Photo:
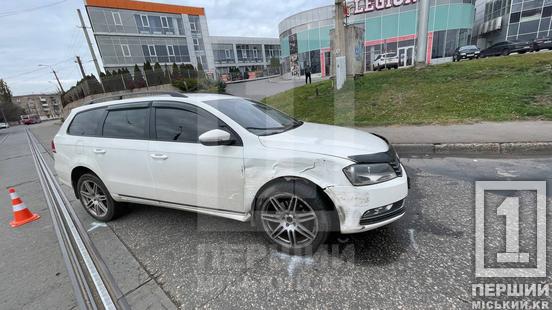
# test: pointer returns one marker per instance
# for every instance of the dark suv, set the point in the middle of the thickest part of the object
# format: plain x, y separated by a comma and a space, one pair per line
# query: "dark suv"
542, 44
466, 52
507, 47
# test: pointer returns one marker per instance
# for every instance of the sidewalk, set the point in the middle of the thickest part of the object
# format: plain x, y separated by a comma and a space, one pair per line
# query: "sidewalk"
524, 137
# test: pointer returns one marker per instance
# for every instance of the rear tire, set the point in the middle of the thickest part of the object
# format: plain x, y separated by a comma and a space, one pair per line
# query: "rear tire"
294, 217
96, 199
505, 52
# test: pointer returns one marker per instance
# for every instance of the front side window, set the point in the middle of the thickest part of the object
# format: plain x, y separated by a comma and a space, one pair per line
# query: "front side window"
185, 124
256, 117
126, 124
86, 123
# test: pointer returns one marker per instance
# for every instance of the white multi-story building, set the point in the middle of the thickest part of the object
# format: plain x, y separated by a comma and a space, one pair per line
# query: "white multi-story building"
131, 32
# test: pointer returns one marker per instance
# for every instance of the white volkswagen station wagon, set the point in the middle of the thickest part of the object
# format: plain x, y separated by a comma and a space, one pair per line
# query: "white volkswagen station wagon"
231, 157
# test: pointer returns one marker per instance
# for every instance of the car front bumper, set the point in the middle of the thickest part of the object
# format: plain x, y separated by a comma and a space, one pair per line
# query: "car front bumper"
352, 202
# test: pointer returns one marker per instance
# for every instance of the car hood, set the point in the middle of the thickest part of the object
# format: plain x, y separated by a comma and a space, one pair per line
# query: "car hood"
326, 140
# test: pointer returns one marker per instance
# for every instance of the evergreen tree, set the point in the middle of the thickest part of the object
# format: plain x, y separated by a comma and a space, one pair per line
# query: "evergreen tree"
139, 81
12, 111
158, 74
127, 78
167, 75
176, 72
148, 72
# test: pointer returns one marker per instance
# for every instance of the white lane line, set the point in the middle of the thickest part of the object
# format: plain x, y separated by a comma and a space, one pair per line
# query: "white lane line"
96, 225
413, 240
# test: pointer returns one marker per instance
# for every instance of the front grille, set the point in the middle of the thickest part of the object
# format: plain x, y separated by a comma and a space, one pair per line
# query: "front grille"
381, 214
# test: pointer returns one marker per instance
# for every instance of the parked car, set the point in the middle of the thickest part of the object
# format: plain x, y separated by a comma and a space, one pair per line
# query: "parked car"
507, 47
30, 119
466, 52
4, 125
542, 44
234, 158
387, 60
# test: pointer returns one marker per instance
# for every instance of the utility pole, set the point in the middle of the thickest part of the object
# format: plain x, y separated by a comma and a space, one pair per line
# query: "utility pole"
423, 21
339, 52
83, 26
55, 75
57, 79
81, 67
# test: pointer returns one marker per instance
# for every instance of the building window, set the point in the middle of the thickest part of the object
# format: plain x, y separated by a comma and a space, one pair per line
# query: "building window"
164, 22
255, 53
145, 21
200, 60
227, 54
244, 53
117, 18
193, 26
196, 42
126, 50
151, 50
170, 50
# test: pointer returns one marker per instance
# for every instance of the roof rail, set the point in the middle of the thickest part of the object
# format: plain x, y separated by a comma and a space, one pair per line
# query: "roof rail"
137, 95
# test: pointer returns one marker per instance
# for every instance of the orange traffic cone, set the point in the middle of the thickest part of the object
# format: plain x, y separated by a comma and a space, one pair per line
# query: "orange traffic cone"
21, 215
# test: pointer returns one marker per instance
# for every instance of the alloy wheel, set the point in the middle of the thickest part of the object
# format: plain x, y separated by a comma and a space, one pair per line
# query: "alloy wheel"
289, 221
93, 198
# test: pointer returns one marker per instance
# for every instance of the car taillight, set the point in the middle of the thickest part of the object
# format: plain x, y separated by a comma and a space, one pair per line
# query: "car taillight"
53, 147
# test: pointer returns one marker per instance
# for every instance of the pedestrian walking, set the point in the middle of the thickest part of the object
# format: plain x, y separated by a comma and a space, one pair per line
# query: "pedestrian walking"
308, 78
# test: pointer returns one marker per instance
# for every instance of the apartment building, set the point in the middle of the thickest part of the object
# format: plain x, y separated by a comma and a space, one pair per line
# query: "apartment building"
133, 32
47, 106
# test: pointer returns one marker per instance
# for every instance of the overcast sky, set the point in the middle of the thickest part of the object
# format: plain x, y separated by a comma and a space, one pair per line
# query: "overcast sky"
34, 32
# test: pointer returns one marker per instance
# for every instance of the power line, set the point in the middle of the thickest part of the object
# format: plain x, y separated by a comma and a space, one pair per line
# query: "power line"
36, 70
20, 11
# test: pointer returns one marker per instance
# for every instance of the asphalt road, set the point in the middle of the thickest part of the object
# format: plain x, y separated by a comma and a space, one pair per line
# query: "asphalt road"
423, 261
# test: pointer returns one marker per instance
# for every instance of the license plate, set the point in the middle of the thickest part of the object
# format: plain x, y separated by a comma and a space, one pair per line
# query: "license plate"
527, 47
547, 41
471, 55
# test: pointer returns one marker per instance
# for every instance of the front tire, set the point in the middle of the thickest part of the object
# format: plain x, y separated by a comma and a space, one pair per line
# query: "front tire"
294, 217
95, 198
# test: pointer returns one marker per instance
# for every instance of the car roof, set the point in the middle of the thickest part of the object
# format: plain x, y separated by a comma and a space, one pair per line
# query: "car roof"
189, 98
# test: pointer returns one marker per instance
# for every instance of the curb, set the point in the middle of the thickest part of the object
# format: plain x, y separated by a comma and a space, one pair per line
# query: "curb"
510, 148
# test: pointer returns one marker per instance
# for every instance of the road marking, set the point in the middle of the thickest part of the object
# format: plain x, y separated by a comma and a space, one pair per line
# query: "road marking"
413, 240
96, 225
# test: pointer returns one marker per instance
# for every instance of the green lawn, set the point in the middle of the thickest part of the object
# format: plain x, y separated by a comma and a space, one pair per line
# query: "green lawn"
494, 89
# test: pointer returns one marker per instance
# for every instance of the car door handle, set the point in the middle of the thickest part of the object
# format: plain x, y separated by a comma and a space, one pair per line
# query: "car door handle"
99, 151
159, 156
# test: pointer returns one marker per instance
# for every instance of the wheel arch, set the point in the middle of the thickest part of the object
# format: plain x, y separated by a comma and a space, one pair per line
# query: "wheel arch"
285, 179
76, 173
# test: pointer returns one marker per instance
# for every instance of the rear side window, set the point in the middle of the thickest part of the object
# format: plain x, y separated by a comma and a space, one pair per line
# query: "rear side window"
86, 123
127, 124
184, 125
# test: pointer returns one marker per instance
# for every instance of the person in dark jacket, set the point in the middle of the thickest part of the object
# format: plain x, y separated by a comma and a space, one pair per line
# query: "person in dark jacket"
308, 79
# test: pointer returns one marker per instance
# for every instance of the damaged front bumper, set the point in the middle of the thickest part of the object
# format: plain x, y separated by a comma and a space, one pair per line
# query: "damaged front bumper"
354, 202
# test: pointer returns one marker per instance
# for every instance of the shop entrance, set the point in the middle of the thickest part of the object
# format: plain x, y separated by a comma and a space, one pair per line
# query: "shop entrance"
406, 56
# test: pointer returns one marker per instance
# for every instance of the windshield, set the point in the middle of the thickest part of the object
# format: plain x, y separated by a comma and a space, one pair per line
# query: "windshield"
469, 47
256, 117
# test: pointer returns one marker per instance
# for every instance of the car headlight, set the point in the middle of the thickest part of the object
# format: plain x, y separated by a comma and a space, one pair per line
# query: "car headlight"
369, 174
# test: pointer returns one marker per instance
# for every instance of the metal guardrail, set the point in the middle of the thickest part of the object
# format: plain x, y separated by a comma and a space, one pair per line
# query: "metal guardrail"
136, 95
92, 282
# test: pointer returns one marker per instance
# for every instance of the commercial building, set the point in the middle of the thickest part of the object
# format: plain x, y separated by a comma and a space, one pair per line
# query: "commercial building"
389, 26
132, 32
47, 106
500, 20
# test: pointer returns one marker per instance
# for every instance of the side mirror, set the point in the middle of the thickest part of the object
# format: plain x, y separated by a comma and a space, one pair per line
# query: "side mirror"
216, 137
